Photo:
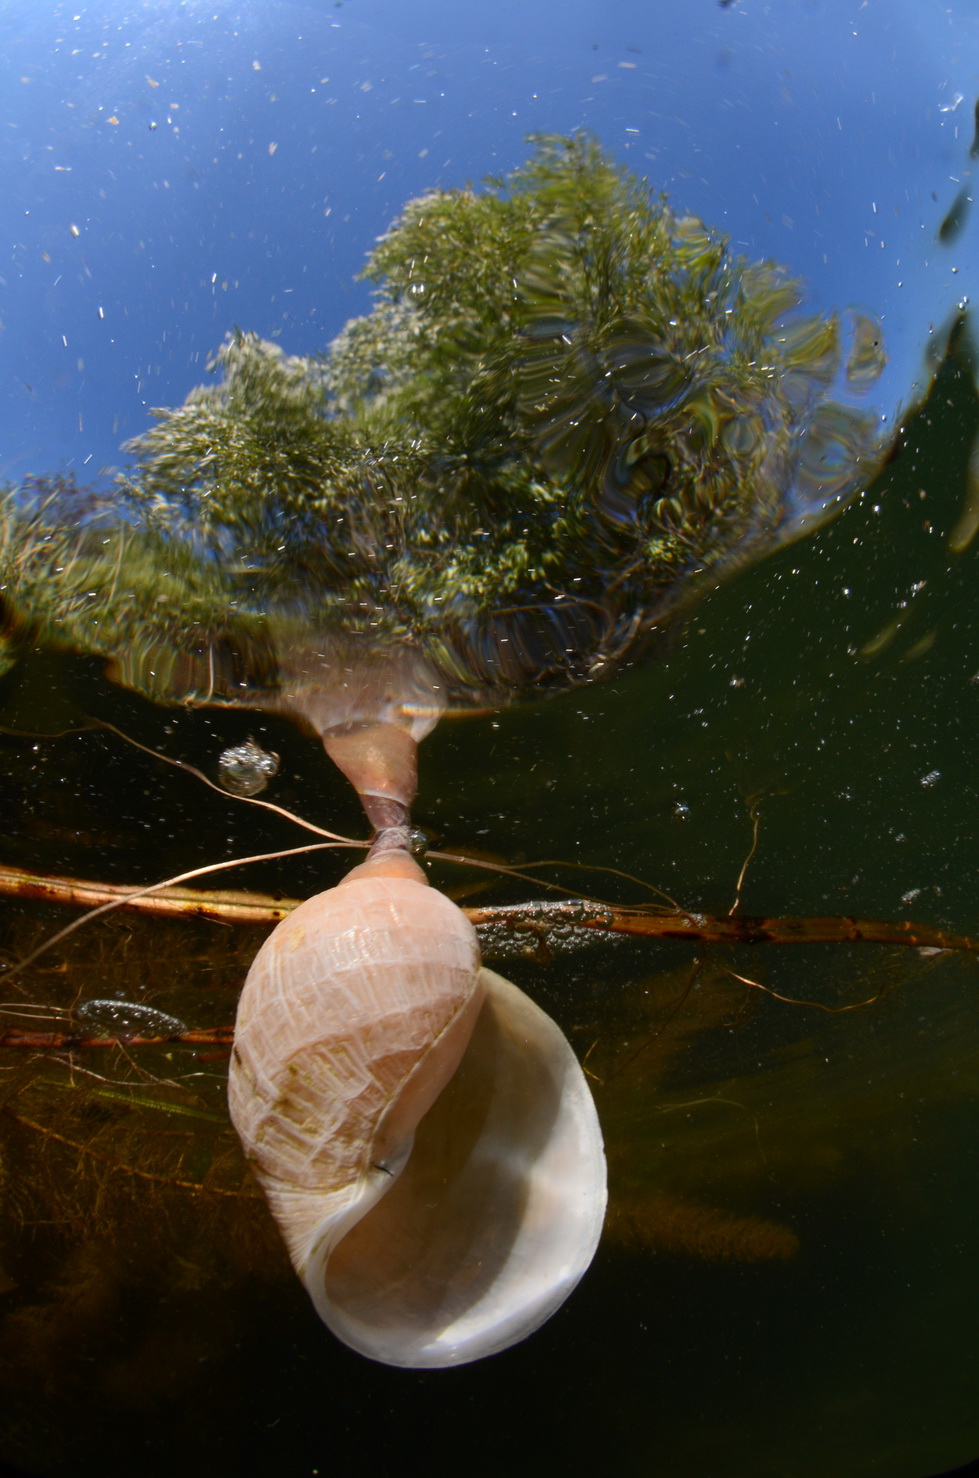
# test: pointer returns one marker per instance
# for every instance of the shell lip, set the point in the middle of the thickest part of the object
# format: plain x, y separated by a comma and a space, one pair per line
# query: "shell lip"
496, 1215
457, 1344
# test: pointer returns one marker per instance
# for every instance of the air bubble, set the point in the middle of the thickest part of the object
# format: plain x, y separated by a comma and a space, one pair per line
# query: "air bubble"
246, 769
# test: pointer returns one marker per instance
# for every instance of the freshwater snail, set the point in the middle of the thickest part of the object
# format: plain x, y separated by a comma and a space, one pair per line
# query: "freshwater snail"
422, 1131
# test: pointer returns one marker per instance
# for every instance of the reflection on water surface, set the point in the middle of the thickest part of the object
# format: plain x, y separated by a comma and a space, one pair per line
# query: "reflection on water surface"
569, 411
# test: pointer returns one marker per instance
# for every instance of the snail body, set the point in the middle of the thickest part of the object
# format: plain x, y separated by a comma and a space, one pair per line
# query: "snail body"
422, 1131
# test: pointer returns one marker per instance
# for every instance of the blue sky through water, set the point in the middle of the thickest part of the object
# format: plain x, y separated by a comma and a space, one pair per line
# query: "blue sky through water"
173, 170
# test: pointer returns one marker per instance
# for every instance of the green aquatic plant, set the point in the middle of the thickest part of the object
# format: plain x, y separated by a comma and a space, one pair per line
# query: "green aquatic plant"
569, 410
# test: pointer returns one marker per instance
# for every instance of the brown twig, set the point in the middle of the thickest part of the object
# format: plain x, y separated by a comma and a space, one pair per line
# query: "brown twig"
218, 1036
545, 922
221, 907
544, 919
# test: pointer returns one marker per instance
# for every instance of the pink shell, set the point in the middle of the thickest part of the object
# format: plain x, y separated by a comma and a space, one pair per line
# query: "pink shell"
354, 1016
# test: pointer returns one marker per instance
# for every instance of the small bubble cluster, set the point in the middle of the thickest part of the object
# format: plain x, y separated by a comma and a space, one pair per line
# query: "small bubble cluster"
246, 769
129, 1019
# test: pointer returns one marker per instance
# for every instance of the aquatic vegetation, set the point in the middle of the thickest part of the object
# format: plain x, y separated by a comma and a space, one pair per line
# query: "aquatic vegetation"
569, 411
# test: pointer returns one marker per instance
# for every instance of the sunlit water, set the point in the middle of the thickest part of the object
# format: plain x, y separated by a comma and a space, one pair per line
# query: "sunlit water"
788, 1282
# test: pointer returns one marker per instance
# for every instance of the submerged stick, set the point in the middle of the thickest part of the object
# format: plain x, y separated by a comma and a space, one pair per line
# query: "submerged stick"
67, 1041
541, 926
225, 907
549, 921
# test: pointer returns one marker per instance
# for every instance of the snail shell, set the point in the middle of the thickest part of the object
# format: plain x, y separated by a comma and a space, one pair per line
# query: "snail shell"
422, 1131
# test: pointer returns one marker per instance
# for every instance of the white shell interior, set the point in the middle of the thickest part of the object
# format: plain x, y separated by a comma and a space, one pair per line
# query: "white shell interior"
496, 1214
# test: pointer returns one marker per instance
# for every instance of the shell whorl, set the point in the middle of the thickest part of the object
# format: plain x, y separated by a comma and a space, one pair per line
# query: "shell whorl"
354, 1015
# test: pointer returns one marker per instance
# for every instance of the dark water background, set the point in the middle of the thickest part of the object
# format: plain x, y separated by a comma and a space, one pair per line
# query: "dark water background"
857, 1132
833, 692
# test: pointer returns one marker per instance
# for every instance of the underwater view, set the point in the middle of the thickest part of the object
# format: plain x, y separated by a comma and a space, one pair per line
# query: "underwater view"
489, 671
